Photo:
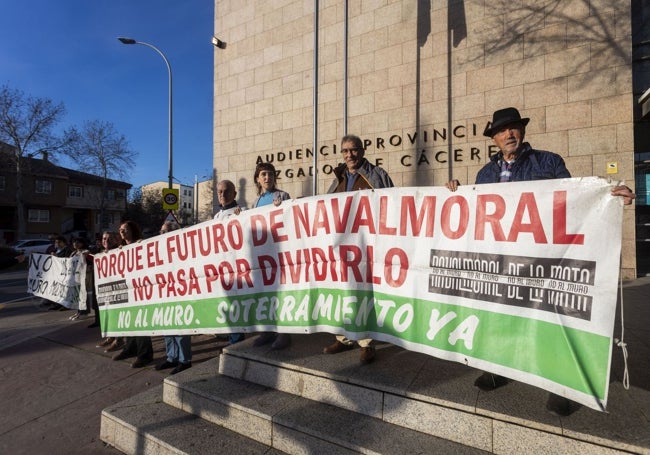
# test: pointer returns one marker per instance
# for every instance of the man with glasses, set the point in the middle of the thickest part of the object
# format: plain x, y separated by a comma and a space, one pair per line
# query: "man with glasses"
227, 206
356, 173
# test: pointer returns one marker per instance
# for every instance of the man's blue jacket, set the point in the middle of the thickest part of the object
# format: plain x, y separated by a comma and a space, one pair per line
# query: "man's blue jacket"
530, 164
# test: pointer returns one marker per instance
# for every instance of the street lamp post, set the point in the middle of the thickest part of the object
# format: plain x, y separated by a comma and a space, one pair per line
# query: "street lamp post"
169, 71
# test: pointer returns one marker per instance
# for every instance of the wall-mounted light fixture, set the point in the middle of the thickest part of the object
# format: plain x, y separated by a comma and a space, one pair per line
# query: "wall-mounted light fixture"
218, 43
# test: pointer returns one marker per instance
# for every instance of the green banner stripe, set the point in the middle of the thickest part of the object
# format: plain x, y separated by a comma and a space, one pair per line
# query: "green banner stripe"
574, 358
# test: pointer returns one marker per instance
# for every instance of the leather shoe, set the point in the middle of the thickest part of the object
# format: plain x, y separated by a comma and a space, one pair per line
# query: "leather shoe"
104, 342
140, 362
367, 354
115, 345
181, 367
489, 381
121, 356
337, 347
282, 341
164, 365
264, 338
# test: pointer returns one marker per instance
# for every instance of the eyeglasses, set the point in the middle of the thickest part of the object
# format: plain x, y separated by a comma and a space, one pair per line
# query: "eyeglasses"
353, 151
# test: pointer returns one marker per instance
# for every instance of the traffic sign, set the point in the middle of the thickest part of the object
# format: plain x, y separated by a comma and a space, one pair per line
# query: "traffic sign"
171, 218
170, 198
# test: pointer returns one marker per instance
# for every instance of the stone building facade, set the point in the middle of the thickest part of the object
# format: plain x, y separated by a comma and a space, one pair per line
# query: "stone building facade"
423, 78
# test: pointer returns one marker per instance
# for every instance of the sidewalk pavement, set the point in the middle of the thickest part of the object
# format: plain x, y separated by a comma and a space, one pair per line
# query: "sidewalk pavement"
55, 382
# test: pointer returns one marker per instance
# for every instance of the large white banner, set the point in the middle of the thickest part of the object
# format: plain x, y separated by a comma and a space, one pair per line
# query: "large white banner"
60, 280
511, 278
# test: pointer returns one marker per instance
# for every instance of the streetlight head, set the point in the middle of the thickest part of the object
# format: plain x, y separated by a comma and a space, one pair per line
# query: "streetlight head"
126, 40
218, 43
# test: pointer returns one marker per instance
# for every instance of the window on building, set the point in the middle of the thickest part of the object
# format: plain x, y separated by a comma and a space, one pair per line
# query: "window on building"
43, 186
38, 216
2, 183
119, 194
109, 217
110, 195
75, 191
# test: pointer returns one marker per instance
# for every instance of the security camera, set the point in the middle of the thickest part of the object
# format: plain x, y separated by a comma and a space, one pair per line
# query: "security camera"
218, 43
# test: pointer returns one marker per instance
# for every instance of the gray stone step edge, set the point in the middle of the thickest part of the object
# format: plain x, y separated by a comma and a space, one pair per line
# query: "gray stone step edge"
145, 425
244, 396
293, 424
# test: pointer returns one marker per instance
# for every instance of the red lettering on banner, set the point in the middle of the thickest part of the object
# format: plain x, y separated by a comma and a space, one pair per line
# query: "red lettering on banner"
527, 204
408, 212
268, 267
493, 218
153, 259
463, 218
176, 284
402, 267
560, 237
287, 262
142, 288
277, 225
191, 234
258, 236
219, 234
527, 208
319, 257
321, 220
300, 220
228, 275
346, 263
363, 216
341, 218
383, 218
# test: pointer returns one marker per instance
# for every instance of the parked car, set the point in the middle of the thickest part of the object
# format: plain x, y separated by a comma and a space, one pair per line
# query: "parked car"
31, 246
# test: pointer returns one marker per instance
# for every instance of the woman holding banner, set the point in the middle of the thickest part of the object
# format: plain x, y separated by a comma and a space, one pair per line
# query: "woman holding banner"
268, 194
177, 347
140, 346
80, 248
110, 240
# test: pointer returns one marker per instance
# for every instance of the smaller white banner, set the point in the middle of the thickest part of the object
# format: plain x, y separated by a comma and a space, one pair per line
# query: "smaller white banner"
60, 280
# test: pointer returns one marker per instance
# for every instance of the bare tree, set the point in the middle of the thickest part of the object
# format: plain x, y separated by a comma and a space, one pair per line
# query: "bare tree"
26, 125
100, 150
145, 208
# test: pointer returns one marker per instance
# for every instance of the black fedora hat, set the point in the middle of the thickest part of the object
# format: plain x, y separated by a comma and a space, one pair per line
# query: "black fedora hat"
504, 117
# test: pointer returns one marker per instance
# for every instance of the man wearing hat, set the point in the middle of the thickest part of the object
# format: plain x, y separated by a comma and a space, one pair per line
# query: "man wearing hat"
517, 161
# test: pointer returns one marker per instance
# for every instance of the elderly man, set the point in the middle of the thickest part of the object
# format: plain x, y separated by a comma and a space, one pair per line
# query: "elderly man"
517, 161
226, 195
228, 206
356, 173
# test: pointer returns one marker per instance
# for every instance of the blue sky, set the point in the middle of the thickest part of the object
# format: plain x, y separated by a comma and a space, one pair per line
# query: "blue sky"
68, 51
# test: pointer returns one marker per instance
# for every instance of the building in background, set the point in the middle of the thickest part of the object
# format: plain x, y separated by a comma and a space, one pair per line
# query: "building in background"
419, 80
59, 200
204, 200
195, 202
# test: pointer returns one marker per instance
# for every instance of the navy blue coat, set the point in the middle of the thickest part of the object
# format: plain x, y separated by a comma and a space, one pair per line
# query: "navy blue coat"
530, 164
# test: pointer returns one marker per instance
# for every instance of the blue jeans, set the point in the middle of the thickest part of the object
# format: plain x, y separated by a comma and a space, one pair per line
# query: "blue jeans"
179, 348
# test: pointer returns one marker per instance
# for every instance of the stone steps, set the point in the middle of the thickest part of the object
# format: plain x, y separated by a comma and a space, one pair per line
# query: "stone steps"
295, 401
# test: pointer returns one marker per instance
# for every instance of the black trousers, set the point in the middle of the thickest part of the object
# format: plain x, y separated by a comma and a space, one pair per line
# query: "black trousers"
141, 347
